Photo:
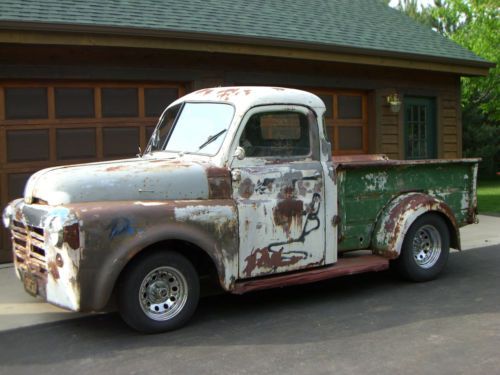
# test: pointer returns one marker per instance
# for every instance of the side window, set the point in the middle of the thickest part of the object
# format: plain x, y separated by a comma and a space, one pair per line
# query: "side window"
276, 134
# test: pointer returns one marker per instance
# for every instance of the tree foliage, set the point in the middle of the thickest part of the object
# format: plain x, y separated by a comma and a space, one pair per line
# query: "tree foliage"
475, 25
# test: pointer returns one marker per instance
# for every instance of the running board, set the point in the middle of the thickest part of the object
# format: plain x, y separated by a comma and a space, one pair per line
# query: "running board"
344, 266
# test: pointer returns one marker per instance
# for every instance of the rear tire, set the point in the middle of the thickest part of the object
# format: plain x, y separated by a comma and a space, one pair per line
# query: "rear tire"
159, 292
425, 249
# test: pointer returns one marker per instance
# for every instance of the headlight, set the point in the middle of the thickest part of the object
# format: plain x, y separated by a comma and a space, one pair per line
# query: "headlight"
7, 216
55, 231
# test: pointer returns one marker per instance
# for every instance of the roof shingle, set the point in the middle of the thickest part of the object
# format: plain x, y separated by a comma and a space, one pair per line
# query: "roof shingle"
366, 25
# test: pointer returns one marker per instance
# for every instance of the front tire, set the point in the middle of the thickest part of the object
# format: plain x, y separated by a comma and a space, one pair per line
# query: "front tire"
425, 249
158, 292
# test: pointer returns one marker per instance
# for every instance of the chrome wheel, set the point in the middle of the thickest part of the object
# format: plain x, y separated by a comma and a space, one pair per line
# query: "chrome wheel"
163, 293
426, 246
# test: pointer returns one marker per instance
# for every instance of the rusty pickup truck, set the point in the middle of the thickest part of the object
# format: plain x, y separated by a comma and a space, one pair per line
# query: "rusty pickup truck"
238, 186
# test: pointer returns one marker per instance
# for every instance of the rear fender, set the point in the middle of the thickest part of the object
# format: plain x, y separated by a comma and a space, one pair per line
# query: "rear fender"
397, 217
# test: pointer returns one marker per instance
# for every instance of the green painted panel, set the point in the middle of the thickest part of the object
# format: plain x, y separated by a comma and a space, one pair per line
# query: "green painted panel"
364, 191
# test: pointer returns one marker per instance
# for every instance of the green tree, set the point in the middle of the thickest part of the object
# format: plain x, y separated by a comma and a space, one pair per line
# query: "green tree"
417, 12
475, 25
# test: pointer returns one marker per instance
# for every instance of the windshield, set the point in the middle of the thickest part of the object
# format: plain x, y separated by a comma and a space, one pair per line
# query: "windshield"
192, 128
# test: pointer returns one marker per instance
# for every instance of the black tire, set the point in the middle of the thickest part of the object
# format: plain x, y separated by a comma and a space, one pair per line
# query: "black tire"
158, 292
425, 249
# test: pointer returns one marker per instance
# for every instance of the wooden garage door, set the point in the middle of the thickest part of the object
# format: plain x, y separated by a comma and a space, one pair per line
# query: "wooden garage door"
54, 123
346, 120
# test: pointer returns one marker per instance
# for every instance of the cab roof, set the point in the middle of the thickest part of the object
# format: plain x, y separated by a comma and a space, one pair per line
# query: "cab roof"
245, 97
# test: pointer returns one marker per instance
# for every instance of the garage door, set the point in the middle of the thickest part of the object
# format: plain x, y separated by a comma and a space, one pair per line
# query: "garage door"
54, 123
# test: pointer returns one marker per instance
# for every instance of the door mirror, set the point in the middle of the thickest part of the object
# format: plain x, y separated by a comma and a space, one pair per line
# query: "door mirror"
239, 153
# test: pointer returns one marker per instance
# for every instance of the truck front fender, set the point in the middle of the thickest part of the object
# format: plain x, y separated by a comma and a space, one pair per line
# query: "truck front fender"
396, 218
123, 229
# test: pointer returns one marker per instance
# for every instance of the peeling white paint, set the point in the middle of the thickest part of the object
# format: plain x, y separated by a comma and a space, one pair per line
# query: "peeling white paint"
150, 204
375, 181
207, 214
131, 179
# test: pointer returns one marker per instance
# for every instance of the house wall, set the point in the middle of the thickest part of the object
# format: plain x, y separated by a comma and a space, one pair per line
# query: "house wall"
97, 67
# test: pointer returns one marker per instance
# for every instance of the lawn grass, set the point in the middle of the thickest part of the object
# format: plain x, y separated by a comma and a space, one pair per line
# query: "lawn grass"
488, 195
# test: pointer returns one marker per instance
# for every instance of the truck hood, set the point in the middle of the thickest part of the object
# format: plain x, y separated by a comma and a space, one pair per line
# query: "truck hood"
122, 180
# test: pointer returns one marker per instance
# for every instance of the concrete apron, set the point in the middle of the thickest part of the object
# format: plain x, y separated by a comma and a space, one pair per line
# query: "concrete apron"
486, 233
18, 309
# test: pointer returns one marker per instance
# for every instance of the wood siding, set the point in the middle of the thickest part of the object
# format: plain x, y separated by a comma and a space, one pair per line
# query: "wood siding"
450, 138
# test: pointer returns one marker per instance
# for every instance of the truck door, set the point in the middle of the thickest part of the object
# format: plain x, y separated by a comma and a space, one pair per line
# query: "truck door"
279, 189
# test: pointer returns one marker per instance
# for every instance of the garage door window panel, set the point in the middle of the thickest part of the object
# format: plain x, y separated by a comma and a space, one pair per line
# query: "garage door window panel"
120, 102
15, 184
76, 143
26, 103
74, 102
157, 99
120, 142
27, 145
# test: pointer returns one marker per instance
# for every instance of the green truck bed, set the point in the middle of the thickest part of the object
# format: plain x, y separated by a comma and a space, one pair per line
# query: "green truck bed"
366, 187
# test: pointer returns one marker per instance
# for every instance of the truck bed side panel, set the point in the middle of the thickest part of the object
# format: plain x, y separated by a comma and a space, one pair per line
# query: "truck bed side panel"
366, 188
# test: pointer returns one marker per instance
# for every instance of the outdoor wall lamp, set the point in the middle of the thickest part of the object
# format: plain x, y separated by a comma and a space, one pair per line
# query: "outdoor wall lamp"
394, 101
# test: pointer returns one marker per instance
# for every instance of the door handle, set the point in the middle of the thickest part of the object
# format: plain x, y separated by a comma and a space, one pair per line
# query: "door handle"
312, 176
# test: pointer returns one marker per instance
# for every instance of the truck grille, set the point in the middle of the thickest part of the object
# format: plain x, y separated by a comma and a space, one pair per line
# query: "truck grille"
28, 247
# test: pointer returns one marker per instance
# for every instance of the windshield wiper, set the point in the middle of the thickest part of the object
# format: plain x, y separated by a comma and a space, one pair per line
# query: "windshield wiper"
212, 138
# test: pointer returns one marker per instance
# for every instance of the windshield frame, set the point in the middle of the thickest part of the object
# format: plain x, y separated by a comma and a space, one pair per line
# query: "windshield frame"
149, 148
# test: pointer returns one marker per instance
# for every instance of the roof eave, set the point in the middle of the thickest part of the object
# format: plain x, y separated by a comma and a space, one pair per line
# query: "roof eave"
470, 67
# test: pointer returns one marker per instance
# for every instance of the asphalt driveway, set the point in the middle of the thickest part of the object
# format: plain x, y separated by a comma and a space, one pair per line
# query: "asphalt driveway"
365, 324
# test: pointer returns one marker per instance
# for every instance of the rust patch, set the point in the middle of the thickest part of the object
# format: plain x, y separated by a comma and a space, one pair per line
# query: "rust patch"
359, 158
344, 266
115, 168
205, 91
395, 223
216, 171
380, 162
286, 192
287, 212
219, 182
219, 188
71, 236
274, 256
227, 93
246, 188
19, 216
53, 270
266, 258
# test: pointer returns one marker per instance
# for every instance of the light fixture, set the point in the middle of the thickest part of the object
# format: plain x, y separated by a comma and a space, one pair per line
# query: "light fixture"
394, 101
